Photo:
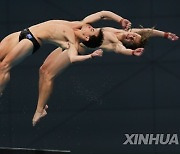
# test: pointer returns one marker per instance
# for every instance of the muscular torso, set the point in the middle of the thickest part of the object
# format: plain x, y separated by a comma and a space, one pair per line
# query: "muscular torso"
111, 38
58, 32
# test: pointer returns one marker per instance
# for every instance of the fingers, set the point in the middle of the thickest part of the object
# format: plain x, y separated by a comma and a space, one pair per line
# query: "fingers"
174, 37
171, 36
127, 27
141, 50
138, 51
126, 24
98, 53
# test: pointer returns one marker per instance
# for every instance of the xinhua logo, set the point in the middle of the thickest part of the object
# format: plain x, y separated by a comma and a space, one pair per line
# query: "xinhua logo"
149, 139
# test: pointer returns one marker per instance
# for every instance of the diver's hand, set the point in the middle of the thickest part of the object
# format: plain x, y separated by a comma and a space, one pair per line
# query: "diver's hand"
138, 52
97, 53
171, 36
126, 24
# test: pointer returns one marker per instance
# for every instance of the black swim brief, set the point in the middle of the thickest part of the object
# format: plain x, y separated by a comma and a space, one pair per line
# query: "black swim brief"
26, 34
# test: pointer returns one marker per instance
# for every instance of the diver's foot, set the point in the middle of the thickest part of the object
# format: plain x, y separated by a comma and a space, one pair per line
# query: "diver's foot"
39, 115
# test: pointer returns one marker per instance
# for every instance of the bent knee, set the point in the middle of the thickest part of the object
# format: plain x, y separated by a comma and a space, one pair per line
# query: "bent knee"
44, 72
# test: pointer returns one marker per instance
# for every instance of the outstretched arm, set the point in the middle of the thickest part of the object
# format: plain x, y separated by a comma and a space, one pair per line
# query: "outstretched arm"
156, 33
119, 48
74, 57
107, 15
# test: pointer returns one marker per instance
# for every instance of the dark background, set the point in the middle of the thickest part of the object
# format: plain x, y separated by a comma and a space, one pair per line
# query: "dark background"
95, 103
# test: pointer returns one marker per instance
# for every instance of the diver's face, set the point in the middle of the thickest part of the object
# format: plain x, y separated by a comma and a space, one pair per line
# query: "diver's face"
131, 38
89, 31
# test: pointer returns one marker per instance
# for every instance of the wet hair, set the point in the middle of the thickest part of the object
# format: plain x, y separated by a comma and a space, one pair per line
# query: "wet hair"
144, 39
95, 41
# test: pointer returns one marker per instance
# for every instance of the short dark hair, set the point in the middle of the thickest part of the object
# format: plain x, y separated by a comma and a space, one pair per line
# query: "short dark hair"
95, 41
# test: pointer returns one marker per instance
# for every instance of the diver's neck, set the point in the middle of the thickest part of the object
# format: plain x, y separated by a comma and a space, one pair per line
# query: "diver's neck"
78, 35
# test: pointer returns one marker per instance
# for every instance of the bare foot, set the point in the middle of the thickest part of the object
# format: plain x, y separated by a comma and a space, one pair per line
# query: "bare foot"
39, 115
